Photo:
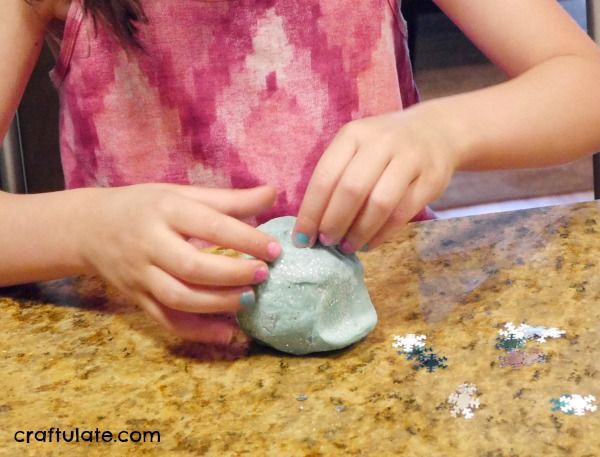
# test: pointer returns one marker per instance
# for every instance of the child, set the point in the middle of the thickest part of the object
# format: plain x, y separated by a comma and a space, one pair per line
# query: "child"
304, 107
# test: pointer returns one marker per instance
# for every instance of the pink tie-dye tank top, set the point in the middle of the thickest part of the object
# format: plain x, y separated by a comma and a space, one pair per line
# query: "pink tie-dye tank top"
228, 93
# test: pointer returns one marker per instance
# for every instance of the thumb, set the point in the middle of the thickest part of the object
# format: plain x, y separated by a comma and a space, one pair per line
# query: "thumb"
238, 203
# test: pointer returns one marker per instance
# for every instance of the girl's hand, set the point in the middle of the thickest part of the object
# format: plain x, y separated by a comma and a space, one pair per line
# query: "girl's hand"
137, 237
377, 173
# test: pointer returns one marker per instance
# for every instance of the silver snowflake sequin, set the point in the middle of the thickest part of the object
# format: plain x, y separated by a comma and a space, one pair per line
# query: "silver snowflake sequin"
540, 333
413, 348
464, 401
409, 343
573, 404
512, 337
530, 332
512, 332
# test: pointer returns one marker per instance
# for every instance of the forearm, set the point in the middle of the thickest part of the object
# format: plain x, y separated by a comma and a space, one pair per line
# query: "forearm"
40, 237
546, 116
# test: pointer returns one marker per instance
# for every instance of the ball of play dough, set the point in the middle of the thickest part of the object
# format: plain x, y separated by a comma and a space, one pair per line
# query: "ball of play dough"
314, 300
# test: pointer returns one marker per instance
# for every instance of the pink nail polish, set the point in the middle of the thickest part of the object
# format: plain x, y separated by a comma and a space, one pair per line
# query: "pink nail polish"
326, 240
273, 250
346, 247
260, 275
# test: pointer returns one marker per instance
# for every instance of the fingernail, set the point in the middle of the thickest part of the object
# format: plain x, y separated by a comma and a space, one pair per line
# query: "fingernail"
346, 247
326, 240
301, 240
260, 275
247, 298
273, 250
365, 248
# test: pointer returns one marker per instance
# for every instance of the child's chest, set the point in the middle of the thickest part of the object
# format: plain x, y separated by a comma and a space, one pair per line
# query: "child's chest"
270, 28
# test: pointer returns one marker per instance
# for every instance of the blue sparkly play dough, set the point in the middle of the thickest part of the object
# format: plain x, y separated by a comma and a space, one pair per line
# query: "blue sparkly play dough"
314, 300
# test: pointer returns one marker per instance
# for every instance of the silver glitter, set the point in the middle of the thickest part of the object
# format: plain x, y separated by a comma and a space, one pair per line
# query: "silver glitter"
574, 404
530, 332
408, 343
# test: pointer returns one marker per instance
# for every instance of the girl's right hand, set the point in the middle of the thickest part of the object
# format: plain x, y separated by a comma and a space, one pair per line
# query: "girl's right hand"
137, 237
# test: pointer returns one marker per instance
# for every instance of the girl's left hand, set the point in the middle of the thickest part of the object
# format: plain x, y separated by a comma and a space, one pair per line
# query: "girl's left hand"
377, 173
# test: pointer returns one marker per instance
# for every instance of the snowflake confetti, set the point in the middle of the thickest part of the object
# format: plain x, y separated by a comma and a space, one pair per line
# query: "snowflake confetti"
426, 358
512, 338
409, 343
510, 343
464, 401
413, 348
540, 333
573, 404
518, 359
512, 332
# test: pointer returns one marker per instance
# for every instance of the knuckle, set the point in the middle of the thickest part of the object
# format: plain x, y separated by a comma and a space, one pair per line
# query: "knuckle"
348, 130
386, 141
321, 179
212, 226
352, 189
188, 268
382, 204
172, 297
165, 205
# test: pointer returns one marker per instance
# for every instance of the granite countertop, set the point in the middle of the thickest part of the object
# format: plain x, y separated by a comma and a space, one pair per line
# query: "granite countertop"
74, 355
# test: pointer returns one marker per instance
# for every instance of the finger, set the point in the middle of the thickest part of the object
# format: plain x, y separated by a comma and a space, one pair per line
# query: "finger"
200, 221
417, 196
352, 190
238, 203
320, 187
182, 260
381, 203
179, 296
208, 329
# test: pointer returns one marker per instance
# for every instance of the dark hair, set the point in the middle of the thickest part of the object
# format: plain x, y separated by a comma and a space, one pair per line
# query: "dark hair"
121, 16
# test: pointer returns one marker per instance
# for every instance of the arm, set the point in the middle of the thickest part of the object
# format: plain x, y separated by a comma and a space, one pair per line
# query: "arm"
378, 172
549, 111
136, 237
22, 28
29, 243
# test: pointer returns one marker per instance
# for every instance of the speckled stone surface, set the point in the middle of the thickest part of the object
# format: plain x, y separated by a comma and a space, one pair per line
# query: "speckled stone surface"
74, 356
